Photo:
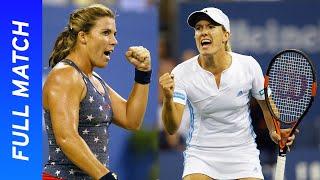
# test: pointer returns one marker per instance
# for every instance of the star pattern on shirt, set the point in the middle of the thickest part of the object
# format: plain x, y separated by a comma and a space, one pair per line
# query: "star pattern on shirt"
98, 113
90, 117
91, 99
85, 131
96, 139
57, 172
114, 175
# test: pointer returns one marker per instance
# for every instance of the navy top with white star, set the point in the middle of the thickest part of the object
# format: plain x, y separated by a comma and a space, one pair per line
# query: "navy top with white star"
95, 116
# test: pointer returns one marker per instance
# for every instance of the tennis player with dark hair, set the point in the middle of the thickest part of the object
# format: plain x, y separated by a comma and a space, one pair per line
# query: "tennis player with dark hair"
216, 85
79, 105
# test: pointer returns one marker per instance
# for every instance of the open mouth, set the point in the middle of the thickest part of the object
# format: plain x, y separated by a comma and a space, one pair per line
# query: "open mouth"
107, 53
205, 42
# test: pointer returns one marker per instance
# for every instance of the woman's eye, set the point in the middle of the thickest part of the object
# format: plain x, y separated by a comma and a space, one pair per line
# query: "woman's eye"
106, 32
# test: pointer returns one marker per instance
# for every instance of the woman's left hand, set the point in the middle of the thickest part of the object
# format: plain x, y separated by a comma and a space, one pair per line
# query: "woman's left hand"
139, 57
284, 137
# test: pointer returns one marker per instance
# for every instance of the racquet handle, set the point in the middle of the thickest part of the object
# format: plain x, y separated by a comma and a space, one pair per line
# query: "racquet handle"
281, 164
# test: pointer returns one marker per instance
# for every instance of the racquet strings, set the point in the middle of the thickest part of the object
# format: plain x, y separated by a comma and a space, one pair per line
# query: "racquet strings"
290, 83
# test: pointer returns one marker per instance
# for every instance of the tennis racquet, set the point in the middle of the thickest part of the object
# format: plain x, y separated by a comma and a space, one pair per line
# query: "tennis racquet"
290, 87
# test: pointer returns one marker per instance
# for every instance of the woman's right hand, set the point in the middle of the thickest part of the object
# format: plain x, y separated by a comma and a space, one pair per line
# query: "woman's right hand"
166, 82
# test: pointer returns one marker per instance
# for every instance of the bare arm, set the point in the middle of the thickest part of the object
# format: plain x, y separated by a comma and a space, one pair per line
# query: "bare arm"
63, 92
129, 114
271, 126
266, 114
172, 115
171, 112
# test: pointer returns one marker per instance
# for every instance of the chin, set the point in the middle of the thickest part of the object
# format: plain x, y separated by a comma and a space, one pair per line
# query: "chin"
206, 53
102, 65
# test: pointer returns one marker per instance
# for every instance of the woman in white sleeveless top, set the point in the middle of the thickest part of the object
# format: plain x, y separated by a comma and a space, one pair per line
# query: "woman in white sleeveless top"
216, 85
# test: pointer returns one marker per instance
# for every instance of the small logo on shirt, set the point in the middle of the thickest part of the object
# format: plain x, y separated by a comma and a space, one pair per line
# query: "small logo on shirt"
261, 92
240, 93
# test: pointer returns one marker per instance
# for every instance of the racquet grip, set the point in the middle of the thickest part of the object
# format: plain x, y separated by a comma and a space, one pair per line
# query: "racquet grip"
281, 164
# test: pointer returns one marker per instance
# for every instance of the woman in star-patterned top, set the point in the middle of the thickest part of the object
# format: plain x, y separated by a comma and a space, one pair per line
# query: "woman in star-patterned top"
79, 106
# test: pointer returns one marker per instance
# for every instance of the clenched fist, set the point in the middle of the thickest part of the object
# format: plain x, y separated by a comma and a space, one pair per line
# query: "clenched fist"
284, 139
166, 82
139, 57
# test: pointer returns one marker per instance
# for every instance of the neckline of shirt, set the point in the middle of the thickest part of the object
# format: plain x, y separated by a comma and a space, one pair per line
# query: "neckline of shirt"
197, 65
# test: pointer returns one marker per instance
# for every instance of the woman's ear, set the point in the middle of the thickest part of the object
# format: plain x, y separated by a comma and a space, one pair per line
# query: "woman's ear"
82, 37
226, 36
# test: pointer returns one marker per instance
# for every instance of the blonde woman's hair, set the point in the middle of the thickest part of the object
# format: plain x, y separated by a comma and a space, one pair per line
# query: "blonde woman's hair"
228, 46
228, 43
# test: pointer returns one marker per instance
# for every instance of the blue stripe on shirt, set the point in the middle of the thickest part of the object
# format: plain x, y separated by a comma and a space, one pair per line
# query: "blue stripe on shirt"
191, 123
179, 95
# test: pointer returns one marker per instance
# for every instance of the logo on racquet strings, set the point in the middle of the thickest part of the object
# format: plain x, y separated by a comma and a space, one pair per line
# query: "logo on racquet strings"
295, 88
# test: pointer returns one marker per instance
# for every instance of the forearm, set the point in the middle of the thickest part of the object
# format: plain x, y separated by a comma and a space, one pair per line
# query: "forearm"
269, 121
77, 151
170, 117
136, 105
267, 116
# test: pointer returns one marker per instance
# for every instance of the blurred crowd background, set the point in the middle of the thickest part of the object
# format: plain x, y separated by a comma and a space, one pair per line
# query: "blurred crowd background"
259, 28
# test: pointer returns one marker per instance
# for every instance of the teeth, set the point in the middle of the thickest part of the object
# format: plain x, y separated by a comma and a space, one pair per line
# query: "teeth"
205, 41
107, 53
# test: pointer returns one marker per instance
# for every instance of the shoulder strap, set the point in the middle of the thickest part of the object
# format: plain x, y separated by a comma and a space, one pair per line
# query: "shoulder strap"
69, 62
101, 81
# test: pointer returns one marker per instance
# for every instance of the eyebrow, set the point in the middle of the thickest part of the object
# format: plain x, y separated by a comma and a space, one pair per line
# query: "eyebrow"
108, 29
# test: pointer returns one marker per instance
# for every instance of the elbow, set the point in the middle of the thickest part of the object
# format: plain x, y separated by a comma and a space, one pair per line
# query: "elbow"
171, 131
64, 140
134, 127
170, 127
